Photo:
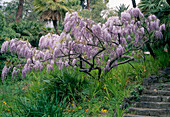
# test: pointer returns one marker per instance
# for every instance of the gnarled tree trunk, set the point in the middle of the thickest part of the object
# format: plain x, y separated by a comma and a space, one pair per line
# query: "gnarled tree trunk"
19, 11
150, 50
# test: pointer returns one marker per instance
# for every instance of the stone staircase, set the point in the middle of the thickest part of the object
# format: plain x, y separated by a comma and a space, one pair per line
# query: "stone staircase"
154, 102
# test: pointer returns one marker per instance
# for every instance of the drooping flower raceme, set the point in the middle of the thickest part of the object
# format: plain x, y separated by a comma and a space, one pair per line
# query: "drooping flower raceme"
4, 46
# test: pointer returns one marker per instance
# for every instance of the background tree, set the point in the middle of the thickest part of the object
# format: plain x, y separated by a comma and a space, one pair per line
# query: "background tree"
134, 3
97, 7
51, 10
19, 11
88, 4
0, 4
120, 9
10, 11
82, 3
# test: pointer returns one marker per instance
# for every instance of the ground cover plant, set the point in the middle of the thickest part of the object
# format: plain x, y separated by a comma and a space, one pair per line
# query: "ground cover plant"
81, 72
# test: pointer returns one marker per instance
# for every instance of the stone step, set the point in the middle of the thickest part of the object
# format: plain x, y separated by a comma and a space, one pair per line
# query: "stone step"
156, 92
154, 105
155, 98
150, 112
133, 115
157, 88
160, 85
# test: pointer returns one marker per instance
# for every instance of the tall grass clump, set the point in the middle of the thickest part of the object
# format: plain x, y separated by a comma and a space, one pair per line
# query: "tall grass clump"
40, 105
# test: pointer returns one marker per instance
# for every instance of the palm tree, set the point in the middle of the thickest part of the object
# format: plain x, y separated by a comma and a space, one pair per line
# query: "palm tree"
148, 6
52, 10
121, 8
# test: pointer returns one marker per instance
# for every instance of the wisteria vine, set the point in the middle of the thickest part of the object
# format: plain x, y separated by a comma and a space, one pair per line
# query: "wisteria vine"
86, 44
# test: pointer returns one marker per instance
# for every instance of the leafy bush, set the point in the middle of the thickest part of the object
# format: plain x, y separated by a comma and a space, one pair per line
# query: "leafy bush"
66, 82
161, 9
2, 21
26, 30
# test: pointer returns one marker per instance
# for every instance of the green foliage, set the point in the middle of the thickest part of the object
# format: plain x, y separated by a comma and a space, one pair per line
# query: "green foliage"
68, 83
49, 9
121, 9
76, 93
29, 30
40, 104
161, 9
148, 6
26, 30
10, 9
2, 21
163, 58
5, 34
95, 12
72, 3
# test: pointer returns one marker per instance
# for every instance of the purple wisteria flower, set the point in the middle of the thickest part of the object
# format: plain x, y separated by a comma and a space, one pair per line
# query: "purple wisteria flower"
29, 61
74, 62
15, 72
137, 37
49, 68
4, 46
158, 35
135, 12
162, 27
119, 50
125, 16
4, 73
129, 38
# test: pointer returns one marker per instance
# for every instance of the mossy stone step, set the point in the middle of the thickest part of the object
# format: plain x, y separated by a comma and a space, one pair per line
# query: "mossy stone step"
155, 98
150, 112
156, 92
132, 115
160, 86
165, 89
154, 105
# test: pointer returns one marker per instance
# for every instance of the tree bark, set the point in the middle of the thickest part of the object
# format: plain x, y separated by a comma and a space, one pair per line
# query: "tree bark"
150, 50
55, 26
88, 4
19, 11
134, 3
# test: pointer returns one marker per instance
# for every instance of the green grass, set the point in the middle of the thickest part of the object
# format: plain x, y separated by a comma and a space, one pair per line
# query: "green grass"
71, 93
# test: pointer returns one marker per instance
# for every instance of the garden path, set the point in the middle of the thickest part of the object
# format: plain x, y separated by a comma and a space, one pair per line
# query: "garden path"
155, 98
